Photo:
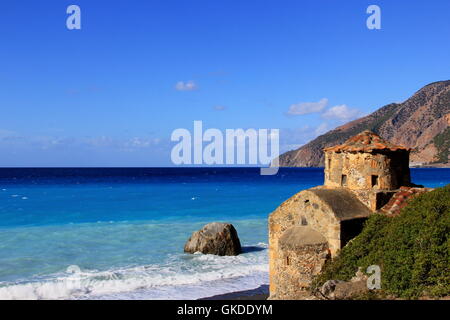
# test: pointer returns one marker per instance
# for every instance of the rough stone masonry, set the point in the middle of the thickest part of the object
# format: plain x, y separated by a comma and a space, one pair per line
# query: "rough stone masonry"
361, 177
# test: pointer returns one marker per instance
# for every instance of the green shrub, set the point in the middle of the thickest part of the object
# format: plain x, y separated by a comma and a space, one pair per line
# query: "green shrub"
412, 249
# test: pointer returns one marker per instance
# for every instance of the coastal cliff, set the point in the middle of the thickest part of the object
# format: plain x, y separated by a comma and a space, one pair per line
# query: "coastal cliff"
421, 123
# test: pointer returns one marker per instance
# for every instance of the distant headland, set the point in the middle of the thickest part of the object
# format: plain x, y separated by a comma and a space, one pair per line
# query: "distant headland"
421, 123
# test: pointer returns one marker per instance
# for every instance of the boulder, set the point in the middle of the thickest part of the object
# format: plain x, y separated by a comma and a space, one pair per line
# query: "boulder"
327, 289
215, 238
348, 290
342, 290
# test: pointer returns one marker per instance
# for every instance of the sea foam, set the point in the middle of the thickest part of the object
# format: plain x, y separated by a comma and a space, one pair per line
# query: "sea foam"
181, 277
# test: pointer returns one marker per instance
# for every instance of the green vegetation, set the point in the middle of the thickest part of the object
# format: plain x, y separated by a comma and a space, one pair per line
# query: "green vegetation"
442, 143
412, 249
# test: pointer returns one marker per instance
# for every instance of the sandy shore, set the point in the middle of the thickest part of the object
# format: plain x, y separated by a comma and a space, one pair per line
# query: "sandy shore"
261, 293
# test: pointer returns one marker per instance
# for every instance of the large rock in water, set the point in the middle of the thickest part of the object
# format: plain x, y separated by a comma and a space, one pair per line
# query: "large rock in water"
215, 238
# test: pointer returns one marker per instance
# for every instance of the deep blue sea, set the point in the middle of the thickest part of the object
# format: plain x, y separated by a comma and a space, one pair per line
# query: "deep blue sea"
119, 233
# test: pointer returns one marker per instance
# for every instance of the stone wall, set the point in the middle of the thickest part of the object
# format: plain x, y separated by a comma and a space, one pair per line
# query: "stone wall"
304, 208
362, 170
361, 176
320, 209
374, 199
302, 252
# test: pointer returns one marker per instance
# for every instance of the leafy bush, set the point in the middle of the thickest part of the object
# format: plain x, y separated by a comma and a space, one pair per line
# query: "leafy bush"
412, 249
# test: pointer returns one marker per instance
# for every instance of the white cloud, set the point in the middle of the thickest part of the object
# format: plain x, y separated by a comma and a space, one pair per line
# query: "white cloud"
186, 86
307, 107
6, 133
219, 108
293, 138
101, 141
98, 142
137, 142
341, 112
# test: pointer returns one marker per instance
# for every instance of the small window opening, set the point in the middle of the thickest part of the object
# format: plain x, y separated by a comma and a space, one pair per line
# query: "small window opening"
287, 260
304, 222
329, 163
344, 180
374, 181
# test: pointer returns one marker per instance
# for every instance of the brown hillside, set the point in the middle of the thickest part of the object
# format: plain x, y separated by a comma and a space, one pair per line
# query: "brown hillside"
421, 123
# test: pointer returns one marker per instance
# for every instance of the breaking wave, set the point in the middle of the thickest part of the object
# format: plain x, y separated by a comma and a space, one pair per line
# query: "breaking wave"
182, 276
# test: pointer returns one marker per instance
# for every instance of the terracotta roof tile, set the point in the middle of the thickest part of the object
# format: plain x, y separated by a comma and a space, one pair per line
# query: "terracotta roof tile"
366, 141
400, 199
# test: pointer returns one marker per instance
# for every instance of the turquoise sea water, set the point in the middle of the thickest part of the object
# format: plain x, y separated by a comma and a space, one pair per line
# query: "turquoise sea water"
119, 233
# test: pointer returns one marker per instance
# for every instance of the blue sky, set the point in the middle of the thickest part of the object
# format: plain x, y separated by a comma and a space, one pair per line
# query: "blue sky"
111, 93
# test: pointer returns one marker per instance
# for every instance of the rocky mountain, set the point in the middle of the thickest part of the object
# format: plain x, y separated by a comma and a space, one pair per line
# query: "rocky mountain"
422, 123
